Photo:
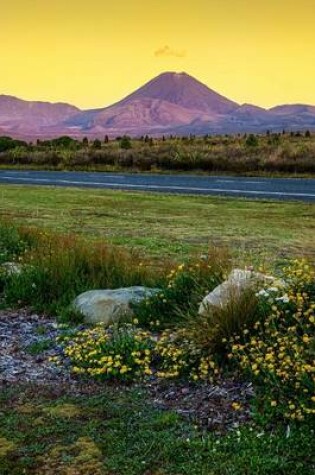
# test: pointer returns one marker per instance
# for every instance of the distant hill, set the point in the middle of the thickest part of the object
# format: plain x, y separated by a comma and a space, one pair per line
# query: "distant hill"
171, 103
19, 117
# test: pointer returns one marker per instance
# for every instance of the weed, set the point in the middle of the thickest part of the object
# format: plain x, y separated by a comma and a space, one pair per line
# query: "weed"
39, 347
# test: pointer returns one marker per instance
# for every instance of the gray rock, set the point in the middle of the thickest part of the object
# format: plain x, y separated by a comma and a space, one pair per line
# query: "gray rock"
109, 306
237, 282
12, 268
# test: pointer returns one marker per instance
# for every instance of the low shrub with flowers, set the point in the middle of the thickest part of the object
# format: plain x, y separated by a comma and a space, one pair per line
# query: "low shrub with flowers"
122, 352
178, 356
126, 352
185, 287
273, 347
279, 352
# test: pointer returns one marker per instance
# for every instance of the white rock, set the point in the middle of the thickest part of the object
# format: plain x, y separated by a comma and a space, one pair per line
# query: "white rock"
238, 281
109, 306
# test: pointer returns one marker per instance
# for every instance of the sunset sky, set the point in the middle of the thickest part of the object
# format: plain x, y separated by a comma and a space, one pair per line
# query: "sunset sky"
92, 53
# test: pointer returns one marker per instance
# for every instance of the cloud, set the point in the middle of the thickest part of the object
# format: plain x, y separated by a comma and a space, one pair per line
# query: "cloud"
168, 51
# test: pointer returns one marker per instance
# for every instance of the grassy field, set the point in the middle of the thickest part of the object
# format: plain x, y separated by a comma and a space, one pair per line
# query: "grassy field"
115, 432
112, 428
167, 225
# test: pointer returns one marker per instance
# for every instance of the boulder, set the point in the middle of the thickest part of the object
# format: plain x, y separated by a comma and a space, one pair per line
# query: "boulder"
238, 281
108, 306
12, 268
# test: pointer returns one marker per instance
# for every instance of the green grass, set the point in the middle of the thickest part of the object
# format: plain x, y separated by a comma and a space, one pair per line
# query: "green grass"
39, 346
163, 225
115, 432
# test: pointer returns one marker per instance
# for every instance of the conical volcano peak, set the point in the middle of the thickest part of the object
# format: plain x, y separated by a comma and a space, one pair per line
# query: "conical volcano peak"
183, 90
171, 103
175, 74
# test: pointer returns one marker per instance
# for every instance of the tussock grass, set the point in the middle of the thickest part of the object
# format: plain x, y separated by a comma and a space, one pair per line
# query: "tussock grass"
56, 268
213, 329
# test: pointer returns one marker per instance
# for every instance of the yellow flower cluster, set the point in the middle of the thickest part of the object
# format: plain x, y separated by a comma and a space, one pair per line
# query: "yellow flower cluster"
279, 352
128, 352
120, 353
179, 356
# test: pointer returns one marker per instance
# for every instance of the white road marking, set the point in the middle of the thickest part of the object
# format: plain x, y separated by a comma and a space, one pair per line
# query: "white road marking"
255, 182
159, 187
224, 181
247, 182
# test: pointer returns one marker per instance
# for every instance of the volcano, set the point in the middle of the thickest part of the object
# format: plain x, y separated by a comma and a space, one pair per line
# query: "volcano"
171, 103
171, 99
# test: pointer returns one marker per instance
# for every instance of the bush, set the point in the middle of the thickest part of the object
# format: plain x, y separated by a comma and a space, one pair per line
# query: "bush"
125, 142
178, 356
120, 352
125, 352
251, 141
183, 291
11, 243
278, 353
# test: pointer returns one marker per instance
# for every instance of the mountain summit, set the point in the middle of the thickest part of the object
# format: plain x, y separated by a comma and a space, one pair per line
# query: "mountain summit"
184, 91
175, 99
171, 103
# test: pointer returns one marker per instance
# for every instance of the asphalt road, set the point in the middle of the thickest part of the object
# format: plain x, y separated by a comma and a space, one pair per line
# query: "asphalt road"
270, 188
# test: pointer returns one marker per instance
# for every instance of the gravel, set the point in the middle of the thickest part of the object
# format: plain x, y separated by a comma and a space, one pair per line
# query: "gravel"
210, 406
19, 330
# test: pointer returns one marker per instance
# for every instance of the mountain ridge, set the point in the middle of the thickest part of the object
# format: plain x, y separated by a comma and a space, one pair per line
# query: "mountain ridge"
172, 102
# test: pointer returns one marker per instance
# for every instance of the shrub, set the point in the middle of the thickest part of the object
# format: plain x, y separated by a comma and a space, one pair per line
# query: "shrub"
183, 291
252, 141
11, 243
120, 352
278, 353
125, 142
125, 352
177, 356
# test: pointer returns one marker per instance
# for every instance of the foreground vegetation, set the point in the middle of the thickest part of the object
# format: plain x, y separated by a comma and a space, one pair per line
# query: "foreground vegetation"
168, 225
115, 432
265, 336
285, 153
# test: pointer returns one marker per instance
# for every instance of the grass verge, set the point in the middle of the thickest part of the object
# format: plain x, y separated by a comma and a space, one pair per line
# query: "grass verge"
170, 225
116, 432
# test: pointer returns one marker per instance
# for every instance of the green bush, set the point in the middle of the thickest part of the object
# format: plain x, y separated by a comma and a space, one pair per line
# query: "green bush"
183, 291
277, 354
120, 352
11, 243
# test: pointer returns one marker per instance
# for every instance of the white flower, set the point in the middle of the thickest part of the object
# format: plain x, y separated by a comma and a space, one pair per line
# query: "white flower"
273, 289
262, 293
284, 299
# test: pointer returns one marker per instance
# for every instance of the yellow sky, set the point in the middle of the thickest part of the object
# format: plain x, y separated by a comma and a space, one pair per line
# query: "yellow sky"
93, 52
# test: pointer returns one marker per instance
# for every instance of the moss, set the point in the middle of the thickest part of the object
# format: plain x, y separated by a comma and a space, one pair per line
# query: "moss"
83, 457
63, 411
6, 446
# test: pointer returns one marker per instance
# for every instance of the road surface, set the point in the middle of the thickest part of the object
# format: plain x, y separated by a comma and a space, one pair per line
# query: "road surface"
262, 188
